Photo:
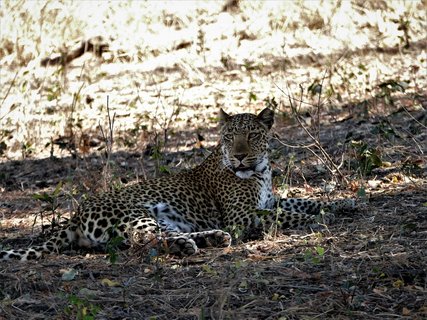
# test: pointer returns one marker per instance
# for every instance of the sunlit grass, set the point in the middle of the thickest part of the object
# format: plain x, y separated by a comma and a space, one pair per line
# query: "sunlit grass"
190, 53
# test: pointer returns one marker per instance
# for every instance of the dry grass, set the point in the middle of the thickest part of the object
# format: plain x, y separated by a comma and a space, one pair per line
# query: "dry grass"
168, 70
147, 75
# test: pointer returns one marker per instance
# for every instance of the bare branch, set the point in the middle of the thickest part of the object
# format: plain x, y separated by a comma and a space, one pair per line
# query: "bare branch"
332, 167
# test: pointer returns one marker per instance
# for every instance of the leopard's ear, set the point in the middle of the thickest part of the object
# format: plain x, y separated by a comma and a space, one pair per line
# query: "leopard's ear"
223, 117
266, 117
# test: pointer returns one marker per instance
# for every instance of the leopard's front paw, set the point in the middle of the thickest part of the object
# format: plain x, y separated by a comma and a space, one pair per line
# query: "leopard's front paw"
212, 238
182, 246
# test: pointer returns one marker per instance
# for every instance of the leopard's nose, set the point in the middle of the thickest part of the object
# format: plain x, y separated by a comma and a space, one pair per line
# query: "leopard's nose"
240, 156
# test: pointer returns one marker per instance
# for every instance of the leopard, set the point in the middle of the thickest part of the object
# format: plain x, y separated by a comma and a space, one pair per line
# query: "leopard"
197, 208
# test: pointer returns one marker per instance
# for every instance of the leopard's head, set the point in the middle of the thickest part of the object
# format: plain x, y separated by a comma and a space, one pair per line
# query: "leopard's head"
244, 141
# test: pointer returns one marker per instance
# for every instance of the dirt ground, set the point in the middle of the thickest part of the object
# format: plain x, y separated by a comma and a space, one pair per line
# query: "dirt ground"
364, 104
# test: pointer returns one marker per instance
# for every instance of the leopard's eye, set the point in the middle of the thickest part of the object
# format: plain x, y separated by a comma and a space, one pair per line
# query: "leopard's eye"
254, 135
228, 137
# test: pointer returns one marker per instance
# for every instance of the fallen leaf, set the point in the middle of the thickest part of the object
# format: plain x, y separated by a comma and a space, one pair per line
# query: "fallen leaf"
109, 283
354, 186
374, 183
68, 274
386, 164
398, 283
406, 311
257, 257
276, 297
243, 286
85, 292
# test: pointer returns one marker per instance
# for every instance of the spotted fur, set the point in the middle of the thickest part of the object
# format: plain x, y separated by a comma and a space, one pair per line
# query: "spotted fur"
190, 210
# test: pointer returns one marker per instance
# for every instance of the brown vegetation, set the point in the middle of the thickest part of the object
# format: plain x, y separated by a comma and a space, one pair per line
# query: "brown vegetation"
348, 83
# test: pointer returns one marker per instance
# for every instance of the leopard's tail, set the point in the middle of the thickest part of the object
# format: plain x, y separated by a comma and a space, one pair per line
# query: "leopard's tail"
60, 239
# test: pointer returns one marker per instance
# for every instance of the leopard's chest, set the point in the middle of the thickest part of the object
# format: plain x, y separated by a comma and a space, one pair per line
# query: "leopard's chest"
265, 193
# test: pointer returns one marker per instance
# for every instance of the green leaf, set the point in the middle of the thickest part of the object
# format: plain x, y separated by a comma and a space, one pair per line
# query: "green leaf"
208, 269
116, 241
320, 251
315, 260
376, 160
361, 193
308, 255
42, 197
57, 189
252, 96
261, 213
164, 169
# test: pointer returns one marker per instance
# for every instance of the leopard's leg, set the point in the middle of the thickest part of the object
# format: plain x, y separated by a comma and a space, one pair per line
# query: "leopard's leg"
210, 238
314, 207
190, 242
183, 236
170, 241
180, 245
284, 219
321, 212
301, 213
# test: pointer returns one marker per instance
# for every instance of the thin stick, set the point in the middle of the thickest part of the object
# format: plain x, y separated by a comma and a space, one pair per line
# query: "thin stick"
108, 139
314, 139
7, 94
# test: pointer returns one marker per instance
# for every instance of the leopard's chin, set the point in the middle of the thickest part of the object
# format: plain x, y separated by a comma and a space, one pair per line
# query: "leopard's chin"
244, 174
243, 168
